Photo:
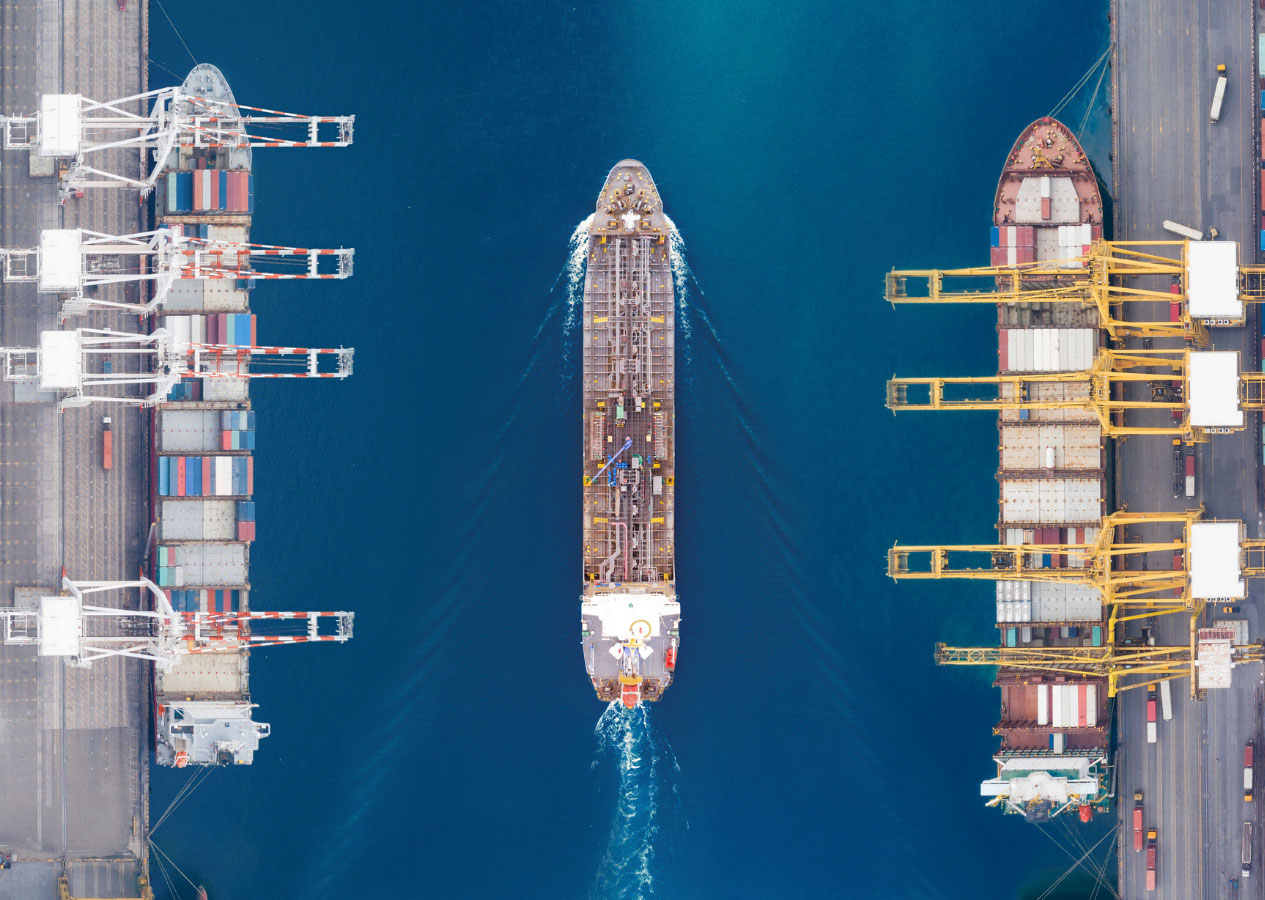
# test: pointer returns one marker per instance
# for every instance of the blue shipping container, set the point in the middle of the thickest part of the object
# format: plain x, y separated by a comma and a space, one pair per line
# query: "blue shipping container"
995, 237
250, 441
1263, 241
193, 476
184, 191
164, 476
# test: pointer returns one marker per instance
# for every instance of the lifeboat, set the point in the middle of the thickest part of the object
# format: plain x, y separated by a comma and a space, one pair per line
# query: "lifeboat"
182, 759
630, 690
669, 659
1087, 812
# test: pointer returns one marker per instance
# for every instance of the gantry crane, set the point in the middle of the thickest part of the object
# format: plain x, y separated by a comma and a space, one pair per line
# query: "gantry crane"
75, 129
1205, 285
73, 364
1207, 661
74, 262
1206, 386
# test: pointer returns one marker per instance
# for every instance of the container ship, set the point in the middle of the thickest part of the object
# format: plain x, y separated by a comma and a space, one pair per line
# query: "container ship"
1052, 474
202, 472
629, 613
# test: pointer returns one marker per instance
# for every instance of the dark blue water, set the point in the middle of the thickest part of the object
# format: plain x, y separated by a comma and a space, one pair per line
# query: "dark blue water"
809, 748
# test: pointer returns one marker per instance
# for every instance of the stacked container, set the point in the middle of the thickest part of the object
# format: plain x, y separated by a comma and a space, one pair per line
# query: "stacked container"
206, 476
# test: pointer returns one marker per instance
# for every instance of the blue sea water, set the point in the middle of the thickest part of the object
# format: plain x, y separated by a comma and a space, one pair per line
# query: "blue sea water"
809, 747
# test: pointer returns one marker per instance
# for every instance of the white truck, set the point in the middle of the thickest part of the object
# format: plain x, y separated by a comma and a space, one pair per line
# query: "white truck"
1218, 94
1185, 232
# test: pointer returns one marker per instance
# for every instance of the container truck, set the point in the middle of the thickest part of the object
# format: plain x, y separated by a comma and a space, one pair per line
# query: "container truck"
1137, 821
1190, 472
1247, 771
1150, 860
107, 444
1247, 850
1166, 700
1150, 713
1218, 94
1185, 232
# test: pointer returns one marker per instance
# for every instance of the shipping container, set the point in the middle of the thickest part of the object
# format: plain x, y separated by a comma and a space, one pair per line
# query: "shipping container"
1248, 751
1166, 700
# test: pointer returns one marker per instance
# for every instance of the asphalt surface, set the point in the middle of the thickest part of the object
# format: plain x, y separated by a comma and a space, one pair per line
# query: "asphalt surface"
74, 742
1171, 162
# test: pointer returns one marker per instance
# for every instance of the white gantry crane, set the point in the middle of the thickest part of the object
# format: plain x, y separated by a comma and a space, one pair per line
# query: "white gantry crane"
68, 626
90, 365
75, 263
75, 130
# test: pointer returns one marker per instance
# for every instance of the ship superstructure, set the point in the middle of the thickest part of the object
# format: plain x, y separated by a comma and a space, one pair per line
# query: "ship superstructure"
629, 613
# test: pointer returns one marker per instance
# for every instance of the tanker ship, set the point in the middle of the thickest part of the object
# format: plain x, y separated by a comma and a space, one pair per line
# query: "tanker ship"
629, 613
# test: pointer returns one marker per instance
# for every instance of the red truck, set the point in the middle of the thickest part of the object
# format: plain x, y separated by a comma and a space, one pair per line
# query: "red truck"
1247, 771
107, 444
1150, 714
1175, 306
1137, 821
1150, 860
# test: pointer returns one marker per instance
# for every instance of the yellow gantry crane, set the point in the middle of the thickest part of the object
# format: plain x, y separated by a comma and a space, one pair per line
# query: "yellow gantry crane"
1205, 386
1103, 280
1109, 662
1139, 592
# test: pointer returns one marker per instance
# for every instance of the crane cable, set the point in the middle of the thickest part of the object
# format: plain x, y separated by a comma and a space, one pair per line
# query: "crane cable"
1090, 108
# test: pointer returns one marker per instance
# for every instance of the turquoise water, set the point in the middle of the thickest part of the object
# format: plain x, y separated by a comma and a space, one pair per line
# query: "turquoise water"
809, 748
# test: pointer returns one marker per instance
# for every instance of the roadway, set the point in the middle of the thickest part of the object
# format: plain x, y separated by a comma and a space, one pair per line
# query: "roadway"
74, 741
1171, 162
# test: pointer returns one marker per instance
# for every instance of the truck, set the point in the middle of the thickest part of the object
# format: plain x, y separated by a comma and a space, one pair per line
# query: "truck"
107, 444
1166, 700
1137, 821
1248, 751
1218, 94
1183, 230
1247, 850
1150, 860
1150, 713
1190, 472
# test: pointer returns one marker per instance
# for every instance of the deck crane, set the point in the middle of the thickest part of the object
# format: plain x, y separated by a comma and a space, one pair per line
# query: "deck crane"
1213, 392
1206, 285
75, 263
609, 462
76, 131
72, 364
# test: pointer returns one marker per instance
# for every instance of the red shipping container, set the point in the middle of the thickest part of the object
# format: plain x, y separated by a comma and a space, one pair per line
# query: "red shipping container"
206, 476
222, 328
215, 189
1045, 208
212, 329
1174, 312
250, 475
1095, 232
197, 191
1027, 235
245, 531
180, 471
1003, 349
1080, 706
226, 440
996, 256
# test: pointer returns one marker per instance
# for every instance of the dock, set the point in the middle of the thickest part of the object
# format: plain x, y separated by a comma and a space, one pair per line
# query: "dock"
1172, 162
74, 784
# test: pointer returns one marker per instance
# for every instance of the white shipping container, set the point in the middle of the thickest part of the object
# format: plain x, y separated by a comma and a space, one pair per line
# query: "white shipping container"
1026, 634
1012, 255
1012, 235
1073, 703
1166, 700
1150, 732
199, 329
1043, 704
1045, 187
1056, 706
223, 476
1059, 741
1091, 705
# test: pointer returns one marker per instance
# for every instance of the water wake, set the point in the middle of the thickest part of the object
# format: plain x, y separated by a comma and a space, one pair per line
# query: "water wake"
647, 815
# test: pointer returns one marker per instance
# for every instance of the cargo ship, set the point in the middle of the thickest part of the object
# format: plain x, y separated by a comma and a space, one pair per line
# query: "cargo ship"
1052, 475
202, 471
630, 616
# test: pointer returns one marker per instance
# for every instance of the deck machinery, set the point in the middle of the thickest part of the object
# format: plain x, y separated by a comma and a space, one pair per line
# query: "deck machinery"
629, 614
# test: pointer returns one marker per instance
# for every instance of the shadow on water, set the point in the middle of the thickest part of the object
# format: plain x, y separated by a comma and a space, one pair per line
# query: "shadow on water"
647, 820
